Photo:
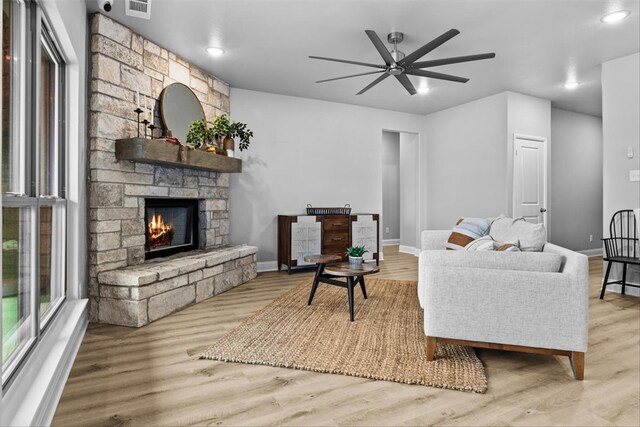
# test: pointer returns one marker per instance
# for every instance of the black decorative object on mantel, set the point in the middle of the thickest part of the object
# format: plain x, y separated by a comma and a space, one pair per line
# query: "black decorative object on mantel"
152, 127
145, 122
138, 111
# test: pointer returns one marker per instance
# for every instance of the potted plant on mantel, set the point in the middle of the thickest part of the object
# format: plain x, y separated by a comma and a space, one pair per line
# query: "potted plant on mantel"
201, 136
226, 130
355, 255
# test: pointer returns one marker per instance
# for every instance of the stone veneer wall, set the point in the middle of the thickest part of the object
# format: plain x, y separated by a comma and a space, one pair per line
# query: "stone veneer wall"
122, 62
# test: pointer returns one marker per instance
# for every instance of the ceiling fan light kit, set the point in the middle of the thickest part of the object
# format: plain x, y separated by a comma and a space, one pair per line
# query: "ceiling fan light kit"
399, 65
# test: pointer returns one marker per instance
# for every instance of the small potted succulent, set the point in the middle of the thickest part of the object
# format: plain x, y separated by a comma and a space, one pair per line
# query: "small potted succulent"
355, 255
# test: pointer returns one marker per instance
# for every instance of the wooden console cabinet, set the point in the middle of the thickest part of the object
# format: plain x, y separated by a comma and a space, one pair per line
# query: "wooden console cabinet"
302, 235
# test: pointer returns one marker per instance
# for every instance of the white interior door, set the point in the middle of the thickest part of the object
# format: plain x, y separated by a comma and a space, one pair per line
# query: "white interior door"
530, 179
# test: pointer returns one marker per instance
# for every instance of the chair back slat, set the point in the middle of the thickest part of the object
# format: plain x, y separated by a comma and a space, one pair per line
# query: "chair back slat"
623, 229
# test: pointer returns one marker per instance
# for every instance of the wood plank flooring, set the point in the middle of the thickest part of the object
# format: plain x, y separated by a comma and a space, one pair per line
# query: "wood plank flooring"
150, 376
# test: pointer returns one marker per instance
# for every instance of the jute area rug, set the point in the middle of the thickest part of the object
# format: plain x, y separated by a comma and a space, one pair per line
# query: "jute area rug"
385, 342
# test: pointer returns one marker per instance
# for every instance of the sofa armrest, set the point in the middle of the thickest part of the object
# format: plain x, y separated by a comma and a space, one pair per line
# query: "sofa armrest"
548, 310
435, 239
524, 261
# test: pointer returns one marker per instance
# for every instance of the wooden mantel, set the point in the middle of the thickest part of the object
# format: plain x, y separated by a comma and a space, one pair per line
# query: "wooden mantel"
159, 152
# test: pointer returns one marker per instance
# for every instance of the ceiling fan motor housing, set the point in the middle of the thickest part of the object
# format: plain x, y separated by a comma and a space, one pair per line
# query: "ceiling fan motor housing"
395, 37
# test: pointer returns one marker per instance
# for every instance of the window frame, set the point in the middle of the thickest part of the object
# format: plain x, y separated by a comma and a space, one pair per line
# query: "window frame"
35, 32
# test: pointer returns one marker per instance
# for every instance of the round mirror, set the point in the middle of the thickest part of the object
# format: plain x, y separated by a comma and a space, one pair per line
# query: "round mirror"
179, 106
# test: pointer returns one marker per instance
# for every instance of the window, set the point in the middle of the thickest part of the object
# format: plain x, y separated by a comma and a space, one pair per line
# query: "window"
33, 178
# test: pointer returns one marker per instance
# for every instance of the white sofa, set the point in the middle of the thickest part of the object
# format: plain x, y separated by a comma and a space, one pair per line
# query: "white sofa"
505, 300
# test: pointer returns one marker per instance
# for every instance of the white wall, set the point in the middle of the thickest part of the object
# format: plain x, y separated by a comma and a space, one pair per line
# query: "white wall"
305, 151
390, 185
621, 131
468, 159
465, 162
409, 191
576, 180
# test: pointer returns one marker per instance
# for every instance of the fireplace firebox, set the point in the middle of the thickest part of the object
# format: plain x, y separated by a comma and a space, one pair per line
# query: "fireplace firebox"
171, 226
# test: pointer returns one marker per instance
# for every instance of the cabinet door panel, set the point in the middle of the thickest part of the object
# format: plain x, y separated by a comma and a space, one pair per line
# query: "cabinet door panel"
298, 232
299, 246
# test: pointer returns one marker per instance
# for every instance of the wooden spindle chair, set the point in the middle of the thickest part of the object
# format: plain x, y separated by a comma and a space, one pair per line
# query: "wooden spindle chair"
621, 247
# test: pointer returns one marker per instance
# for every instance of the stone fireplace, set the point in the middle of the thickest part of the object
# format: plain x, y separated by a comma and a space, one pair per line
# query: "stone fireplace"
131, 282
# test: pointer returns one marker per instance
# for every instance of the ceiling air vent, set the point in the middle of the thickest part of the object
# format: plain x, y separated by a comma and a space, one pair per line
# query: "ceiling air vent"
138, 8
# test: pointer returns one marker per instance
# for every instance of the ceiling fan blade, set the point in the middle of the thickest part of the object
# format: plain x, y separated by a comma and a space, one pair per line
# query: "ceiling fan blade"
434, 75
382, 50
420, 52
348, 62
453, 60
352, 75
404, 80
373, 83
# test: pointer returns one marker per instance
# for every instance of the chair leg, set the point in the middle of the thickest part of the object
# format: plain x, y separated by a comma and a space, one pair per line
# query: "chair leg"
431, 348
624, 276
577, 364
606, 279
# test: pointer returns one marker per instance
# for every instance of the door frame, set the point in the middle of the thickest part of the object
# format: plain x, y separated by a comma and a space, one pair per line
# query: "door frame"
545, 173
419, 184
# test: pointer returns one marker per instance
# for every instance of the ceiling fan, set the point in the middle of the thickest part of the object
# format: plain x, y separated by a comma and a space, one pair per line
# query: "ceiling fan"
398, 65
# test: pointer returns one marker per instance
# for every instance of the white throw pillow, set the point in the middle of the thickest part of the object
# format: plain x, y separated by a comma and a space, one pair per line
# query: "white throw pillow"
530, 237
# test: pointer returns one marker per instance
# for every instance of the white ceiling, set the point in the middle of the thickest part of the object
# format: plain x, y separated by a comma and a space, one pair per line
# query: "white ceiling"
538, 45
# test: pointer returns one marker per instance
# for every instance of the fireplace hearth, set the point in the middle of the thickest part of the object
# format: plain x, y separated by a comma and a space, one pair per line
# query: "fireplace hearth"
171, 226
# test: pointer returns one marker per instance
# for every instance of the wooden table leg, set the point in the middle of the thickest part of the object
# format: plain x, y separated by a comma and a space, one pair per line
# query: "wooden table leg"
350, 295
319, 271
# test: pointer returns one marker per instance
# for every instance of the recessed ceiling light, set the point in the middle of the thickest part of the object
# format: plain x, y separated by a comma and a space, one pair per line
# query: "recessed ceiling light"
215, 51
423, 89
617, 16
571, 85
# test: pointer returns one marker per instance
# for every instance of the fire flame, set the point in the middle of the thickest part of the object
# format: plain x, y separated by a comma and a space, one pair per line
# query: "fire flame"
159, 231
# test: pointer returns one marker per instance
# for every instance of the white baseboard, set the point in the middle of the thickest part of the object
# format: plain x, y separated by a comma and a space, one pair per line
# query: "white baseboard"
408, 250
591, 252
33, 396
267, 266
389, 242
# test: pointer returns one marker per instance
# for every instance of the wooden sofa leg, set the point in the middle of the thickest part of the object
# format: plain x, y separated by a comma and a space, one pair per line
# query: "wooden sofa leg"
577, 364
431, 348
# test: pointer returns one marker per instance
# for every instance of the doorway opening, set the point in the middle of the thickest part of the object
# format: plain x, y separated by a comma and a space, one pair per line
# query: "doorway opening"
400, 181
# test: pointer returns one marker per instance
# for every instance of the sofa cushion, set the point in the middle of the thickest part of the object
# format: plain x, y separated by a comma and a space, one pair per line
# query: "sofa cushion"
522, 261
466, 231
530, 237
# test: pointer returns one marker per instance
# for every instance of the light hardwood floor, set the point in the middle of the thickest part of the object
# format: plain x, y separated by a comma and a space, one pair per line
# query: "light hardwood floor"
151, 376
